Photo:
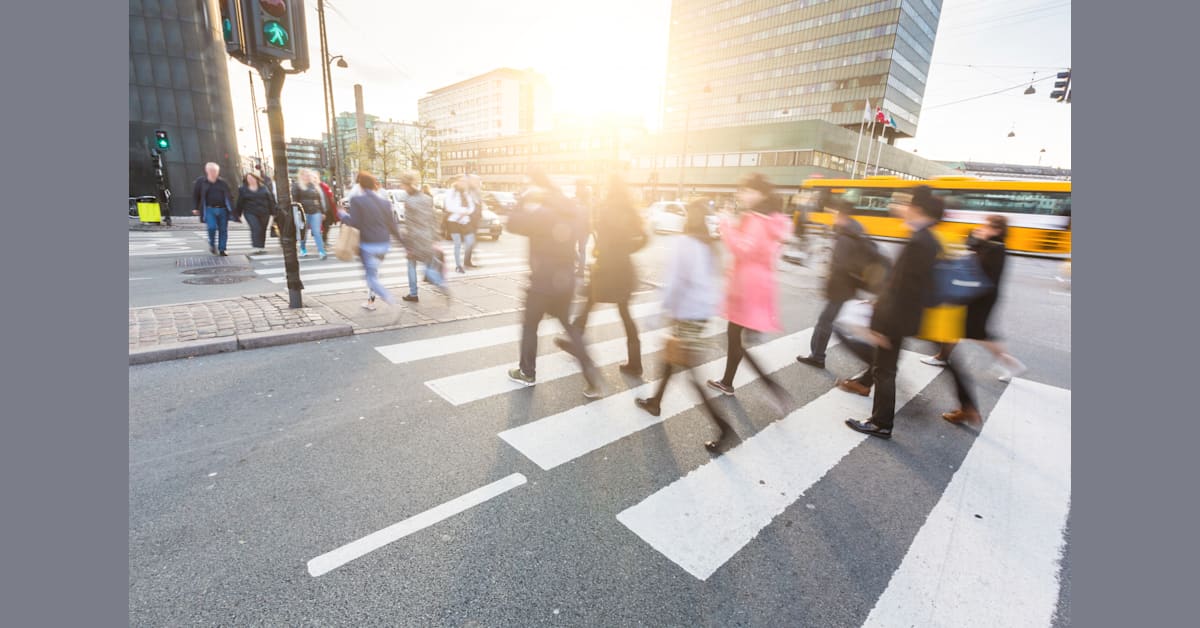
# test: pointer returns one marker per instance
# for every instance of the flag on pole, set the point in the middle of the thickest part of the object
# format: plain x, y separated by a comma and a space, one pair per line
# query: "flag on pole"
867, 112
880, 116
891, 122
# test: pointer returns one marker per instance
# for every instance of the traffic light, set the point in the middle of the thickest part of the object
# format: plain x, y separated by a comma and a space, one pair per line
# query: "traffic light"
1062, 87
233, 29
276, 30
161, 141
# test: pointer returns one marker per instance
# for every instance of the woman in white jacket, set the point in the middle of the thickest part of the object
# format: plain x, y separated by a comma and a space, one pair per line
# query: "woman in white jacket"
460, 204
690, 297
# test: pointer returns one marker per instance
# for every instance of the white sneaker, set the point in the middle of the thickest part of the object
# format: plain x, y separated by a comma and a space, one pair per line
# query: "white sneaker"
933, 361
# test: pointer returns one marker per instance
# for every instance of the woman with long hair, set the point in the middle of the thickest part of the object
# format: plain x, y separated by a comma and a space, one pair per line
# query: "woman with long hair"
310, 196
751, 292
690, 294
256, 203
619, 234
371, 214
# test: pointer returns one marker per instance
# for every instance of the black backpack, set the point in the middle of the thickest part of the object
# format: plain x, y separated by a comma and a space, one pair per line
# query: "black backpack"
871, 266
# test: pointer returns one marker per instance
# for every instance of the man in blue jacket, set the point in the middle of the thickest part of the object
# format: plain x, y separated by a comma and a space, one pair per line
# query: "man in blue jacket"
212, 195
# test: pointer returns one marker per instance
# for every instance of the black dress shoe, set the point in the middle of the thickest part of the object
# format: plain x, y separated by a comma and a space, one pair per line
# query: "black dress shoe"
411, 298
811, 361
867, 427
649, 405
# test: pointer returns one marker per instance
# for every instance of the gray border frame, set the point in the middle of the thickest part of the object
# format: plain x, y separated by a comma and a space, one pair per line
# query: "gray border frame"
64, 464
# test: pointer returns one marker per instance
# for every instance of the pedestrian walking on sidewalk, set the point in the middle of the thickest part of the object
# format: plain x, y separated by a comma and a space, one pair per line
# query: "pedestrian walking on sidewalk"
899, 309
690, 294
475, 192
460, 205
213, 196
372, 215
551, 221
420, 237
256, 203
751, 292
306, 192
619, 234
331, 210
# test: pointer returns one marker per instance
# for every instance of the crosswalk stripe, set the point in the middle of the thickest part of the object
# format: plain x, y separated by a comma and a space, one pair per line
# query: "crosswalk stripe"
493, 380
704, 518
415, 350
394, 258
356, 270
398, 279
988, 553
560, 438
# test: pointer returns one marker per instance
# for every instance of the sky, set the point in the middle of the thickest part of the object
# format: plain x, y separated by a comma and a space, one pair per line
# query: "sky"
611, 57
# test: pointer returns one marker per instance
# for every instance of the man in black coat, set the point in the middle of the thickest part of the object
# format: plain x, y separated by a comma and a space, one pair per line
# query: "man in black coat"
900, 307
842, 284
551, 222
213, 196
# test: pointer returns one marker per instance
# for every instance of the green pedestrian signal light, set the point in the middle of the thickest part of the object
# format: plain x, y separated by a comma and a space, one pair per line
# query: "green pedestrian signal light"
227, 29
276, 34
161, 140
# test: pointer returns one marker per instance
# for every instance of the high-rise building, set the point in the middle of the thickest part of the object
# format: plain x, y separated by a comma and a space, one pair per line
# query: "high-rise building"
306, 153
500, 103
737, 63
178, 83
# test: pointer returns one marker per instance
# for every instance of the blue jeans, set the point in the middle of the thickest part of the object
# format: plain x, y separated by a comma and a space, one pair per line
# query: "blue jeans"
431, 273
314, 227
372, 256
459, 238
217, 219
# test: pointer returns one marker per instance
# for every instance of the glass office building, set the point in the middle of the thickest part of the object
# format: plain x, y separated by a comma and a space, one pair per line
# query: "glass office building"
749, 62
178, 82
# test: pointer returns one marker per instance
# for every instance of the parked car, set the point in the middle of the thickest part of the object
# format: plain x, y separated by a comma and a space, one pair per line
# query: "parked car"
671, 216
396, 198
500, 202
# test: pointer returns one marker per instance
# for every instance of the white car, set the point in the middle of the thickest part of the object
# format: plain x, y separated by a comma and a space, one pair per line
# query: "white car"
671, 216
396, 198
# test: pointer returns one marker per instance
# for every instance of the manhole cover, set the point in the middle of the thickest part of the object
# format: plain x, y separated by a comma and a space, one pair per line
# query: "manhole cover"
216, 270
210, 280
209, 261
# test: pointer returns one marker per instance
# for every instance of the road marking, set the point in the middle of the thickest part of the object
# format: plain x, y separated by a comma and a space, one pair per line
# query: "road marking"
562, 437
706, 517
988, 554
395, 258
487, 382
312, 274
329, 561
414, 350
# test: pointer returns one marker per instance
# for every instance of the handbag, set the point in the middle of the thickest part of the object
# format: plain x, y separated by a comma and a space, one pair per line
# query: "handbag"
684, 346
854, 319
958, 281
347, 243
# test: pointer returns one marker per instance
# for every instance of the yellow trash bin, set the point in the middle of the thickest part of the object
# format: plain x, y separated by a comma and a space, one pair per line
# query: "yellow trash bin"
149, 209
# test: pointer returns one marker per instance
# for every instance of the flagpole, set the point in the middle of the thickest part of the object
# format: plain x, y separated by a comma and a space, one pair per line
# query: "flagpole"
871, 135
882, 143
862, 124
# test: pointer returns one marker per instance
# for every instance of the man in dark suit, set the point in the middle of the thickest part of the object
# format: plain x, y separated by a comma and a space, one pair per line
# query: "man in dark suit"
899, 308
842, 284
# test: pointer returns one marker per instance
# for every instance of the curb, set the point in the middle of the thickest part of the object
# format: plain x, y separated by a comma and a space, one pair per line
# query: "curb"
256, 340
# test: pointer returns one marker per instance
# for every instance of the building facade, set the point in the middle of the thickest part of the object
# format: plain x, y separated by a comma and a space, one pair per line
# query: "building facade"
306, 153
1008, 172
178, 83
738, 63
501, 103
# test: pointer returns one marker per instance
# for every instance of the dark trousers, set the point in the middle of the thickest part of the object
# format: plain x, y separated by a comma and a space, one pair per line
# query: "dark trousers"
258, 230
669, 370
537, 306
883, 374
736, 352
962, 385
824, 328
633, 344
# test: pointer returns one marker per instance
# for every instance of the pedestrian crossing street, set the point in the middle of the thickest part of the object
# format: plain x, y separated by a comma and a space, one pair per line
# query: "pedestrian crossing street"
142, 244
333, 275
987, 553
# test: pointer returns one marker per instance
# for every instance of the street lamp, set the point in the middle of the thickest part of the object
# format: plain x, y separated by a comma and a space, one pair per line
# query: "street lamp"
1041, 153
687, 121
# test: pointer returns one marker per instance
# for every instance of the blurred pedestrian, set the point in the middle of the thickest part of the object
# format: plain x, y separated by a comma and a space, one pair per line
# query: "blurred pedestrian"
751, 301
619, 234
330, 215
371, 214
420, 236
690, 294
475, 192
213, 196
306, 192
460, 204
856, 263
551, 221
256, 203
583, 197
899, 308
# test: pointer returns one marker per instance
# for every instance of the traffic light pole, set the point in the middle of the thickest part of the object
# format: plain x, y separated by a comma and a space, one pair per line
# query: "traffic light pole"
272, 75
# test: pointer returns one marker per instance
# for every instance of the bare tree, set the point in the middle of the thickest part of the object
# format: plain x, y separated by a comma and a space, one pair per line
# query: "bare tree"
422, 152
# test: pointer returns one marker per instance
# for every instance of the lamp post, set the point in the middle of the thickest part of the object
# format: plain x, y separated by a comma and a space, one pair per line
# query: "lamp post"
687, 121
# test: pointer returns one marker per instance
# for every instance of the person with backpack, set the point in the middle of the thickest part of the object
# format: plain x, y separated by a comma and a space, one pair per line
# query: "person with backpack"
899, 308
690, 293
856, 263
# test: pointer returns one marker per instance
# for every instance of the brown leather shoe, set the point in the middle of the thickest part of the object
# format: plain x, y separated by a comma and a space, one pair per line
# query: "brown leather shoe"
852, 386
961, 415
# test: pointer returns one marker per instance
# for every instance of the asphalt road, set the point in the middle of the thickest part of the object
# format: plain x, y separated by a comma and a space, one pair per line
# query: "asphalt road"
245, 467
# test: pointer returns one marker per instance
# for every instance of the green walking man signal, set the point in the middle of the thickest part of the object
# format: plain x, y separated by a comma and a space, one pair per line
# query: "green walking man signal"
276, 34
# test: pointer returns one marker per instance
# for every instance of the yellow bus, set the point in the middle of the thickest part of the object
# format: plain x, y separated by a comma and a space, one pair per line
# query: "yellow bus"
1038, 212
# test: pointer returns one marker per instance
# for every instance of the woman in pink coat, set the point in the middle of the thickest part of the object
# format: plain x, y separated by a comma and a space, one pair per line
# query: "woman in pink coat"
751, 291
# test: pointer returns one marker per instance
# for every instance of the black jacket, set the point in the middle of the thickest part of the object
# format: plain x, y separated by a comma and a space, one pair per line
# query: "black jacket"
552, 229
992, 255
847, 250
901, 304
311, 198
259, 202
200, 193
614, 277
